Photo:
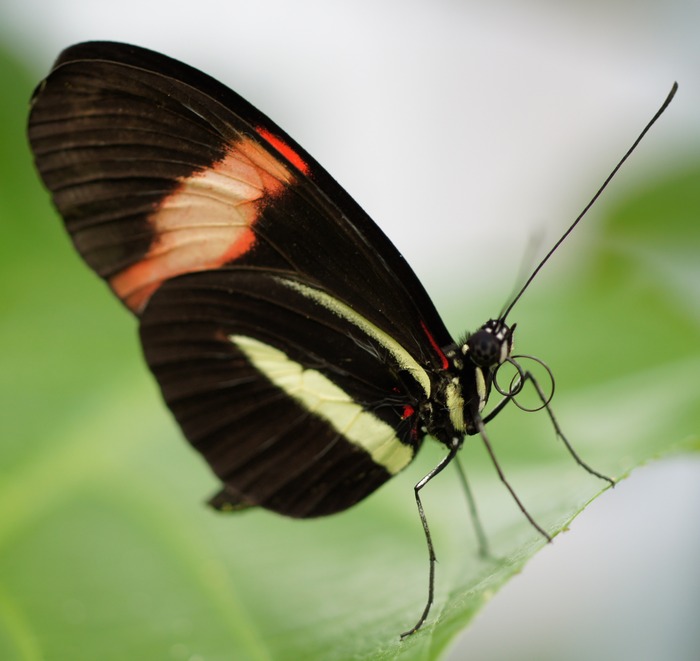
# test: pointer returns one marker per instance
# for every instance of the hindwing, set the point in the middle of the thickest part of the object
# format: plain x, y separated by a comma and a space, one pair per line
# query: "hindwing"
299, 406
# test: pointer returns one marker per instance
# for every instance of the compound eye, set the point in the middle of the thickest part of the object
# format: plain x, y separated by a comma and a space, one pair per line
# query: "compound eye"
484, 349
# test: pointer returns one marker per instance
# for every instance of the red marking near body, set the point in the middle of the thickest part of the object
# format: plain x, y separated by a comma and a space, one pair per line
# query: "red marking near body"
434, 344
284, 149
408, 411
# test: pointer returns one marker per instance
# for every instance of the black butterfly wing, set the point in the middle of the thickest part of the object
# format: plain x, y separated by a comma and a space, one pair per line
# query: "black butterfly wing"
159, 169
297, 403
176, 191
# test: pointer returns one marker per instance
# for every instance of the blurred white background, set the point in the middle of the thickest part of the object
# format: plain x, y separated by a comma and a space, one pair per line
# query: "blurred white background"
462, 128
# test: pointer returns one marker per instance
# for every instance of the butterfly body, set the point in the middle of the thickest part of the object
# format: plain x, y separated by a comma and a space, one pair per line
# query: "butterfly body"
296, 348
298, 351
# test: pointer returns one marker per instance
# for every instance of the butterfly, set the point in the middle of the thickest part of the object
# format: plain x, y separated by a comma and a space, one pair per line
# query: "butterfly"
294, 345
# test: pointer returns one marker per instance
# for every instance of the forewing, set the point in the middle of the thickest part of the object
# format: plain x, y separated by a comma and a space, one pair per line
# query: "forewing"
159, 170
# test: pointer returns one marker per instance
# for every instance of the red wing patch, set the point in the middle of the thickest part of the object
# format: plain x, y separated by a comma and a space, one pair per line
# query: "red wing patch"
207, 221
443, 358
284, 149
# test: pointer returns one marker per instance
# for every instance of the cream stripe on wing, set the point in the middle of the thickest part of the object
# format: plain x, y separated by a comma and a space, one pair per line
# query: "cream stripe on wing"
322, 397
404, 359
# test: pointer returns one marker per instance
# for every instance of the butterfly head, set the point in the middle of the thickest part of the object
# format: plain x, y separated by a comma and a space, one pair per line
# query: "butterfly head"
491, 345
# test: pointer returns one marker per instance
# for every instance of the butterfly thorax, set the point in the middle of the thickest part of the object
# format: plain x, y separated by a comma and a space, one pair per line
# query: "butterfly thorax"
462, 390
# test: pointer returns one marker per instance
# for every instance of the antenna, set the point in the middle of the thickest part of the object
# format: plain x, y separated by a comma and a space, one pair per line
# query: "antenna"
658, 114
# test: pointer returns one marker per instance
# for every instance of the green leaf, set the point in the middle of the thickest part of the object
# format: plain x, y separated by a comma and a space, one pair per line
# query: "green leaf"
107, 551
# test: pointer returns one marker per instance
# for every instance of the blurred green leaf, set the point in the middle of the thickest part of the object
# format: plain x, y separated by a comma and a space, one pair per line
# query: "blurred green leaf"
106, 551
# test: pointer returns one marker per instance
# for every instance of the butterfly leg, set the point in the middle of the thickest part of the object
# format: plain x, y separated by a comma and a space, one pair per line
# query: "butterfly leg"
524, 376
454, 446
557, 429
484, 551
489, 449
